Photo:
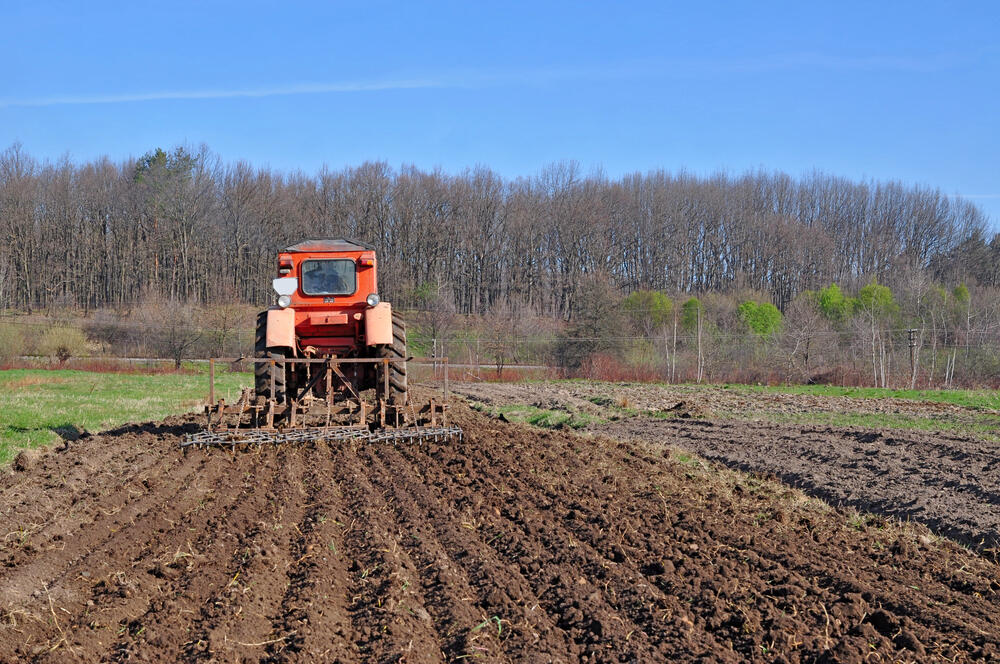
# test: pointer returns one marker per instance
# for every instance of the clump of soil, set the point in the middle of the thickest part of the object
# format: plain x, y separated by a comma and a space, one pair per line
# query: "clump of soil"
25, 460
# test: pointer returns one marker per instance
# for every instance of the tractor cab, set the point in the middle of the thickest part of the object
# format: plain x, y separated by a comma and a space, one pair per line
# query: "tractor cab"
328, 302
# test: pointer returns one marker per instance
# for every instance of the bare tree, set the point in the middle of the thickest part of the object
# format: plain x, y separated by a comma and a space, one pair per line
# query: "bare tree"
172, 326
502, 328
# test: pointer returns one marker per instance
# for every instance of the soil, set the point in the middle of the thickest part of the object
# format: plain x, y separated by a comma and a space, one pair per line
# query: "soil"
947, 481
515, 544
707, 401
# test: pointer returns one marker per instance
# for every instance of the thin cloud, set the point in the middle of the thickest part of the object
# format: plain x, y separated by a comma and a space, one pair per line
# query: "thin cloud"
302, 89
663, 68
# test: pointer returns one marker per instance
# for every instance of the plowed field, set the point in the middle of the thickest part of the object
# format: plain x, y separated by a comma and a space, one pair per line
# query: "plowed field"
947, 479
516, 544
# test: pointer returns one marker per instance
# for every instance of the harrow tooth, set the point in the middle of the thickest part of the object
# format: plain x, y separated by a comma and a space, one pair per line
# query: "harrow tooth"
244, 437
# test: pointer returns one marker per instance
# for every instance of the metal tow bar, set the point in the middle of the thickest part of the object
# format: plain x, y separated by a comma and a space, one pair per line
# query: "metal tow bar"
236, 437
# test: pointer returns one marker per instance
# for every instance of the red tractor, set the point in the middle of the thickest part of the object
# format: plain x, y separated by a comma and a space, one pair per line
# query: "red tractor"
328, 339
328, 307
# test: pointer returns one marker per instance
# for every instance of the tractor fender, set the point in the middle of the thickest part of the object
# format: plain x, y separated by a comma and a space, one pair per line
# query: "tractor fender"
378, 324
281, 328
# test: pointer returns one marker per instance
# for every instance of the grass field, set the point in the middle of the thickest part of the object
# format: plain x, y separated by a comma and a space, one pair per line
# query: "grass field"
980, 426
987, 399
37, 404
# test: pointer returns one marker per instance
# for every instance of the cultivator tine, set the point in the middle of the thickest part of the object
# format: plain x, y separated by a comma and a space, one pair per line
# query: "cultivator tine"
243, 437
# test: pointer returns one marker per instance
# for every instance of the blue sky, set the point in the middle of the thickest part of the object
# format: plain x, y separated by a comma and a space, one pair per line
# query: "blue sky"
890, 90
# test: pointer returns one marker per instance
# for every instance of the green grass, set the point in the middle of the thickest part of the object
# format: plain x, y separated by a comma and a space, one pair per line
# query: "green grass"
980, 399
685, 458
539, 417
36, 403
976, 399
986, 427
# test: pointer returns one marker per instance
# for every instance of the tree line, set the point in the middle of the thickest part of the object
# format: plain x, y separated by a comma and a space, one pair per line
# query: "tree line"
919, 335
186, 226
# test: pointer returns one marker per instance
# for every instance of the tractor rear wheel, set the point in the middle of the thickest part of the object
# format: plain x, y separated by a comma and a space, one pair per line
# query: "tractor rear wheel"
397, 370
262, 370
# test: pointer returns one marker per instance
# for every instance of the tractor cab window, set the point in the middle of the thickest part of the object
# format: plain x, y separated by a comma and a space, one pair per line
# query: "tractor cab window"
329, 277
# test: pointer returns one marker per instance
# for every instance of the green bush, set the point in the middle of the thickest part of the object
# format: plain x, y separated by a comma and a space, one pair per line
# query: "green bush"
648, 311
63, 343
834, 305
877, 300
764, 320
691, 312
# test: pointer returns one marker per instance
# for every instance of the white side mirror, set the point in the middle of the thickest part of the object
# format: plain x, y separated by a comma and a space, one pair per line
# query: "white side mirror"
285, 285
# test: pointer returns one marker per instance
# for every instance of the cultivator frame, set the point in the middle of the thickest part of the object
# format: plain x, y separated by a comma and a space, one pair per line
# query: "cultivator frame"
259, 421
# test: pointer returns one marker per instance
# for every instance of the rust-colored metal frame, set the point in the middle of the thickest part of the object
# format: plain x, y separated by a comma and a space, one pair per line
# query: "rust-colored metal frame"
273, 412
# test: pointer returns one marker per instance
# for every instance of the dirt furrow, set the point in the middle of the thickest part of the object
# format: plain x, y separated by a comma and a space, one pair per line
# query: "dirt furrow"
75, 471
67, 569
192, 569
488, 601
381, 573
535, 584
603, 598
317, 604
291, 618
895, 587
65, 518
269, 527
941, 482
113, 585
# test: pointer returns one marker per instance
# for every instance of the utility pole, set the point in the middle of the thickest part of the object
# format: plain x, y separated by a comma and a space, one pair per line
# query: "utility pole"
912, 333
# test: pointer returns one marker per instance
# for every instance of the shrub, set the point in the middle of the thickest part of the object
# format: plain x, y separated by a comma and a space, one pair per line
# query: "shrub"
691, 312
834, 305
63, 343
643, 353
12, 342
764, 320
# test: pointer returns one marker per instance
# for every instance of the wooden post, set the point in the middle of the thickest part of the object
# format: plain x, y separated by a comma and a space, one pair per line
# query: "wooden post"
272, 365
445, 363
211, 381
385, 380
329, 391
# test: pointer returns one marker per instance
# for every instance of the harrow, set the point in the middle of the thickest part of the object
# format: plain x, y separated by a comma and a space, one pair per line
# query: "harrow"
338, 415
238, 437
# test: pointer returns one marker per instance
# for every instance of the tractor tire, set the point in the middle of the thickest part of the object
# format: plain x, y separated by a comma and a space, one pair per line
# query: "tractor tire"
397, 370
262, 370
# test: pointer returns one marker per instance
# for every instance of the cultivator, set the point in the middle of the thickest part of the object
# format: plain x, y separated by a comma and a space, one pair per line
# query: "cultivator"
326, 407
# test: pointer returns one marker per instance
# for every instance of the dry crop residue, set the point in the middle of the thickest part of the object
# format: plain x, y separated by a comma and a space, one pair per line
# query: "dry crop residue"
514, 545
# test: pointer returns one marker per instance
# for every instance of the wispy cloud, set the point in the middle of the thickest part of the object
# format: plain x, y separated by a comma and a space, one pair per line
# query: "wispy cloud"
978, 195
811, 61
298, 89
678, 68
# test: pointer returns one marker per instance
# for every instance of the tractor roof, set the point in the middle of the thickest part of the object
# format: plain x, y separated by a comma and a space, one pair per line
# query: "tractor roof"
331, 245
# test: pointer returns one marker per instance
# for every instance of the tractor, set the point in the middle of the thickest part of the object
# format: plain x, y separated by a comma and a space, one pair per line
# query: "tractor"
328, 306
330, 360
